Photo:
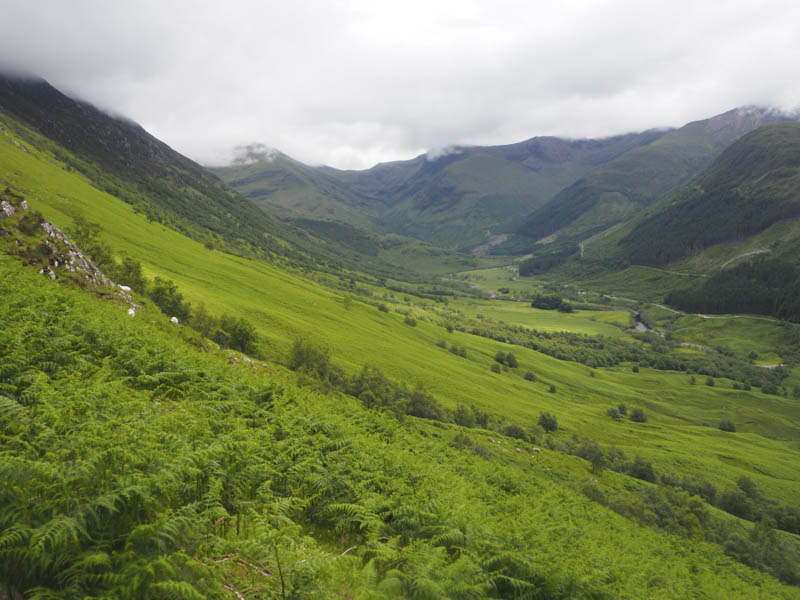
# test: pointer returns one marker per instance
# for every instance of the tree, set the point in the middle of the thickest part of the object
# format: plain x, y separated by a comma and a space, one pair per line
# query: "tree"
166, 296
642, 469
548, 422
130, 273
592, 452
242, 334
638, 416
515, 431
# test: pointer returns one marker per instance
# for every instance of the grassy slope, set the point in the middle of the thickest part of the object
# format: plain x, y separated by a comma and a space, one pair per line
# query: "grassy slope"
210, 452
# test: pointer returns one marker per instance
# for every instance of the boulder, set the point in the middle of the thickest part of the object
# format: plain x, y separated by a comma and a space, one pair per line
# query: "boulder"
6, 210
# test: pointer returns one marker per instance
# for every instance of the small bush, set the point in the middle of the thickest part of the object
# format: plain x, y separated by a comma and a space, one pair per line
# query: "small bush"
623, 410
511, 361
441, 344
529, 376
500, 357
635, 368
638, 416
383, 308
515, 431
710, 381
552, 389
548, 422
614, 413
410, 321
641, 469
727, 425
495, 368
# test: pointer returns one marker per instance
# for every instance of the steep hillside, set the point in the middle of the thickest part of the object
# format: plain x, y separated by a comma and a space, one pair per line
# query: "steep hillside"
120, 157
752, 185
458, 198
614, 192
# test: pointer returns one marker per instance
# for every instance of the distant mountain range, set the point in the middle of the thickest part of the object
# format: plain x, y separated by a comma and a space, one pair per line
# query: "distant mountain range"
456, 199
541, 189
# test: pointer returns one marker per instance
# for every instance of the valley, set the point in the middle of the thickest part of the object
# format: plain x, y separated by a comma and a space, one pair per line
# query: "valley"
386, 432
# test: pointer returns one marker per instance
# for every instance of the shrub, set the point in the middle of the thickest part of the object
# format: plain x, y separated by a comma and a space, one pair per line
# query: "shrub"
495, 368
552, 389
529, 376
441, 344
623, 410
642, 469
500, 357
592, 452
727, 425
30, 222
565, 307
548, 422
635, 368
383, 308
614, 413
710, 381
511, 361
515, 431
166, 296
638, 416
464, 416
411, 321
310, 357
738, 504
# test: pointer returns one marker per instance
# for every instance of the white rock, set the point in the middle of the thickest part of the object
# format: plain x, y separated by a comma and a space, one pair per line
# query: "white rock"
6, 210
173, 320
125, 288
24, 205
131, 312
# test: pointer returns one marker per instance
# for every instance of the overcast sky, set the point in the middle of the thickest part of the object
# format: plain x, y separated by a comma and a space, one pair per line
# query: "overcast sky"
352, 83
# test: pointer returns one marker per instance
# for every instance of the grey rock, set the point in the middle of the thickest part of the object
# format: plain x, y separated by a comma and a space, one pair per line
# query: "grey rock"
6, 210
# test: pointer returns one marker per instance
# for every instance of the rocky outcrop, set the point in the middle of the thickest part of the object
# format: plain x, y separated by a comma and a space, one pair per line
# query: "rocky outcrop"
67, 255
6, 210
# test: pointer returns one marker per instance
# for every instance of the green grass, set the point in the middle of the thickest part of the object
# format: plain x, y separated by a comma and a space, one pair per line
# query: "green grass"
589, 322
741, 334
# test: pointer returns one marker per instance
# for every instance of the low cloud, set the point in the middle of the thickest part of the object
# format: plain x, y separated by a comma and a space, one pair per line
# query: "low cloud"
351, 84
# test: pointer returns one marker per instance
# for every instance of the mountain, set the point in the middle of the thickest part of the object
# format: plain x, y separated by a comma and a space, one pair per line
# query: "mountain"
619, 189
457, 198
752, 185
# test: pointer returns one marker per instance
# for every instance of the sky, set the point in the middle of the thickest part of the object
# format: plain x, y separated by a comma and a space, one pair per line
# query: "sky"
353, 83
